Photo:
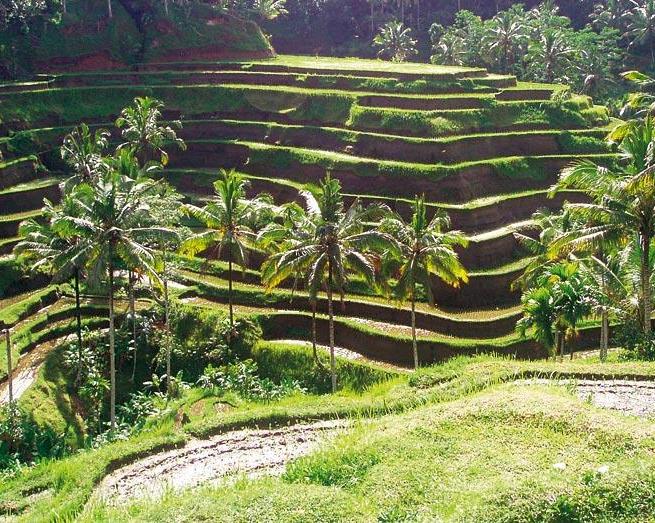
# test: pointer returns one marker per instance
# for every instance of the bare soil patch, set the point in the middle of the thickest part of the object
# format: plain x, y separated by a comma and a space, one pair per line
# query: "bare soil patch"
252, 452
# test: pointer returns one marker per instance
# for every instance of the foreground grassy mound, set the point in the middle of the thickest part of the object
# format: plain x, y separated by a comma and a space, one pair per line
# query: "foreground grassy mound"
456, 442
490, 456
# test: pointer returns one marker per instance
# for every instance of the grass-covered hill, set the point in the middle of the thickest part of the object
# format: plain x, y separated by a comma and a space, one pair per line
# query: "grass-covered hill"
86, 38
483, 147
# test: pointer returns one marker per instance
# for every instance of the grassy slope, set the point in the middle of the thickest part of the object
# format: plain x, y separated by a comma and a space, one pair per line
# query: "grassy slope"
454, 452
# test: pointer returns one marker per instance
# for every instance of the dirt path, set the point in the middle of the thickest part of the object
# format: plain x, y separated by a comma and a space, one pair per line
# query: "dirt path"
626, 396
26, 371
251, 452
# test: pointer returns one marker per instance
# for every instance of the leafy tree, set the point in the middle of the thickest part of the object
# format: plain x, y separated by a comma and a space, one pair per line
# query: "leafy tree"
426, 249
395, 42
143, 132
230, 219
340, 246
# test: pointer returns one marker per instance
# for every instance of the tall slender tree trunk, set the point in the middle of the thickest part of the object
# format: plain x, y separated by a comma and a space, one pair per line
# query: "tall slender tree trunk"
414, 344
167, 328
333, 362
572, 344
563, 342
166, 7
229, 294
604, 334
112, 349
10, 379
63, 5
110, 11
314, 351
78, 317
645, 281
556, 344
133, 318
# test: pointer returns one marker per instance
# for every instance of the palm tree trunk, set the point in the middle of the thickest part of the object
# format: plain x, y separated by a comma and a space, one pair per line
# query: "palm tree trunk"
133, 317
229, 296
563, 342
604, 334
556, 343
10, 382
110, 11
414, 344
63, 5
112, 349
78, 317
166, 7
315, 352
167, 327
333, 362
571, 348
645, 281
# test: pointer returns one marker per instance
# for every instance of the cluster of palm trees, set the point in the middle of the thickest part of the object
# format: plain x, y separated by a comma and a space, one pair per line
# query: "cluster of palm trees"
114, 217
596, 258
321, 245
117, 217
540, 44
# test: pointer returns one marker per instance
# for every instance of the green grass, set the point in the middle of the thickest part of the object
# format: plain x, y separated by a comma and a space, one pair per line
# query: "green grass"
457, 446
20, 310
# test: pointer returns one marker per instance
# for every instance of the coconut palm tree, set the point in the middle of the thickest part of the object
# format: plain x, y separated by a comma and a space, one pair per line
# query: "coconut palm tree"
395, 42
113, 211
266, 10
340, 246
609, 13
62, 255
550, 55
504, 37
426, 249
143, 132
640, 25
292, 228
623, 203
83, 151
230, 219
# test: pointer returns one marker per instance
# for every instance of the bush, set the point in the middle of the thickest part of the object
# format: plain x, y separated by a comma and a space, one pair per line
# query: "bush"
241, 377
23, 441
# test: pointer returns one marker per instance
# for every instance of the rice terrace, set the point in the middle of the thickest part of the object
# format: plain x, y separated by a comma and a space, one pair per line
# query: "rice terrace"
327, 261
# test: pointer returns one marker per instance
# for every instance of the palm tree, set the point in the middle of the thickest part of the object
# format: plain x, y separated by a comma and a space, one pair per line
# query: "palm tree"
112, 213
609, 13
395, 42
230, 220
623, 203
505, 36
640, 25
339, 246
550, 56
293, 228
426, 249
267, 10
62, 255
144, 133
83, 151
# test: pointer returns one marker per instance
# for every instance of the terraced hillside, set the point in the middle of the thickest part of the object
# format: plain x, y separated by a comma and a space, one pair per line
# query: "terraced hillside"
481, 146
